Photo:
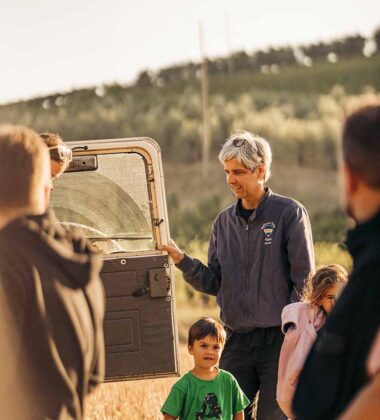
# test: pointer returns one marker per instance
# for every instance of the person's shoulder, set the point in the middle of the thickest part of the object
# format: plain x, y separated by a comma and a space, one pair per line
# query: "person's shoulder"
12, 228
183, 382
285, 201
292, 313
14, 236
228, 212
295, 307
289, 208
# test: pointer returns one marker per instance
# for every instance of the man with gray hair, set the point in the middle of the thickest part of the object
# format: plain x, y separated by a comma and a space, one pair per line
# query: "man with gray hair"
260, 251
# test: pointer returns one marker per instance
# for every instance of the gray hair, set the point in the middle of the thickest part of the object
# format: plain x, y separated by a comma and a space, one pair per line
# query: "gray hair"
253, 151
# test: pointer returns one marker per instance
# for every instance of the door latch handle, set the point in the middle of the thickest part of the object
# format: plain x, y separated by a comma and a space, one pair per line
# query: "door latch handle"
140, 292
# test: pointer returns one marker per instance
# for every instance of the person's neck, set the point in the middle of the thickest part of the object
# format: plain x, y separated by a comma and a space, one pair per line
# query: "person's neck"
366, 206
7, 216
250, 203
206, 374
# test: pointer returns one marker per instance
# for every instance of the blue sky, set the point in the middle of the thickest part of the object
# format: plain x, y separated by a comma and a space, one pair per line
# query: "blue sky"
54, 46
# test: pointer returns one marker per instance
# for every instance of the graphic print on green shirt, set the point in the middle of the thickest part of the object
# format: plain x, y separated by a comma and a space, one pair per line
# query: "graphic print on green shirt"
192, 398
210, 408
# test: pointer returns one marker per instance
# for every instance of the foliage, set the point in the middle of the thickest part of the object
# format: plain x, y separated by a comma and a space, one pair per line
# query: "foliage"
266, 61
193, 223
345, 47
299, 109
376, 37
329, 253
302, 124
330, 226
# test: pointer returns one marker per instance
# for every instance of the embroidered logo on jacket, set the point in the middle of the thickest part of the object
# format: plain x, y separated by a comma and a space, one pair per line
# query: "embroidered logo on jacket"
268, 229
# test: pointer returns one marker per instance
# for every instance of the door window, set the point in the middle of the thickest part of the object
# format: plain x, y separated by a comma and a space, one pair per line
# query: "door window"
111, 203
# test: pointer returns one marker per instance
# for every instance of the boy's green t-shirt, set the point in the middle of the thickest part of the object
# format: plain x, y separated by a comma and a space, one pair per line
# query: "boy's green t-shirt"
192, 398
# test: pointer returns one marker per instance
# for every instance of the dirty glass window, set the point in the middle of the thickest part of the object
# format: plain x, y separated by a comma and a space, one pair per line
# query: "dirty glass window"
110, 204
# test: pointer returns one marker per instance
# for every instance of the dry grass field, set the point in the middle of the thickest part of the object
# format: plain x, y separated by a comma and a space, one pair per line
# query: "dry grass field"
133, 400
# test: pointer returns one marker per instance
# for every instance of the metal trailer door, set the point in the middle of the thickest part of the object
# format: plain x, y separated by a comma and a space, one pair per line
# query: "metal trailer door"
114, 191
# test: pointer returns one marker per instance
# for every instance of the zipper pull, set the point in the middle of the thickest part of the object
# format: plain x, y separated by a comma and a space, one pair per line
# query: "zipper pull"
246, 228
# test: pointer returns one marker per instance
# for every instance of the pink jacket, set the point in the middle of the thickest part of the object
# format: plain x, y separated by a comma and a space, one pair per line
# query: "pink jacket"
300, 322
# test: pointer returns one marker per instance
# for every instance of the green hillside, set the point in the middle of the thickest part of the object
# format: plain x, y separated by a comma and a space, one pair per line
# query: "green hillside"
172, 113
298, 109
354, 74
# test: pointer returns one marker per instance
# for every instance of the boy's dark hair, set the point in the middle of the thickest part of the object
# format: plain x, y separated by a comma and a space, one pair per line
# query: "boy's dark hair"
204, 327
361, 144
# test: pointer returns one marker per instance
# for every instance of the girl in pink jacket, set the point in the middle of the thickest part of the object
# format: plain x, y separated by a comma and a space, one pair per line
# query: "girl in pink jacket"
300, 323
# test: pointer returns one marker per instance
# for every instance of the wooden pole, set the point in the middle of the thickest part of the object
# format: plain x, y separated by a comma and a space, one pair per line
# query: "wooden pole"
230, 64
205, 109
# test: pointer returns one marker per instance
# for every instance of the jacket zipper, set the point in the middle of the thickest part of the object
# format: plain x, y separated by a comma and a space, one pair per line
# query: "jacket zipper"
247, 272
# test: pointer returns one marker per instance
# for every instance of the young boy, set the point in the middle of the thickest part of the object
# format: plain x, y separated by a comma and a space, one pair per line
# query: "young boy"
206, 392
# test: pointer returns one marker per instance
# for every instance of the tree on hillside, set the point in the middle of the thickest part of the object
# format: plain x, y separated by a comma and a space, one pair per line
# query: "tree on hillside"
281, 56
349, 46
218, 66
376, 37
241, 61
176, 73
318, 52
144, 79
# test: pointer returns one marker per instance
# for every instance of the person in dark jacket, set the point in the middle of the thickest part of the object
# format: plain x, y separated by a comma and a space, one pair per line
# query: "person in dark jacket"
335, 371
49, 279
260, 250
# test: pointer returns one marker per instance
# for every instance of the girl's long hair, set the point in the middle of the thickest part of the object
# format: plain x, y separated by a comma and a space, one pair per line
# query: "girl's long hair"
325, 277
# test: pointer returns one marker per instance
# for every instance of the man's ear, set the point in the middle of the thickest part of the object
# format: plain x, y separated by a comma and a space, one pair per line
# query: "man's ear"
351, 180
261, 169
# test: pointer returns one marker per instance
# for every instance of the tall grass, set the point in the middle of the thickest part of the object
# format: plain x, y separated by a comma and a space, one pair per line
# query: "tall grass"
327, 253
133, 400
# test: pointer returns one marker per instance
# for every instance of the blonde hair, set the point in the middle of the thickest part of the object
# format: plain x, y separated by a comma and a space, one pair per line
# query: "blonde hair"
325, 277
23, 157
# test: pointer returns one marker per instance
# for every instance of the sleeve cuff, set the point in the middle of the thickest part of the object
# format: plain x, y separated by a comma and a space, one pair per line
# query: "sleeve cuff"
186, 264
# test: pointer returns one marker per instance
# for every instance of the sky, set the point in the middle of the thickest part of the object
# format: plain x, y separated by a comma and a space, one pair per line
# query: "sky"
50, 46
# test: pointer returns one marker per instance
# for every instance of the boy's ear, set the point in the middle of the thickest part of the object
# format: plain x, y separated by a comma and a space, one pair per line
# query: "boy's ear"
190, 348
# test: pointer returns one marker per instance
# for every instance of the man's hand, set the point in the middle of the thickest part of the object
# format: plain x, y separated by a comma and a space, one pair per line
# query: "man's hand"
174, 252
